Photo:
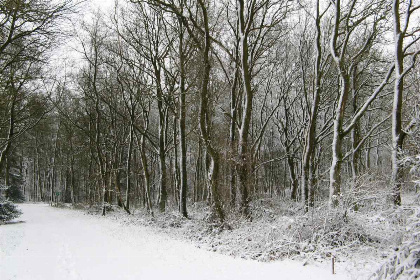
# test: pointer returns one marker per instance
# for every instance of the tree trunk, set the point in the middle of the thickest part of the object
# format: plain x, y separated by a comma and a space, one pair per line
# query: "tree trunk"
182, 136
343, 92
310, 140
5, 150
214, 165
128, 164
244, 158
355, 134
292, 176
146, 175
232, 140
397, 132
72, 178
6, 172
335, 169
162, 152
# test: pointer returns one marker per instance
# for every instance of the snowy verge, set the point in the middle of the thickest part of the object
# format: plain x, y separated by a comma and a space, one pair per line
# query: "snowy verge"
359, 242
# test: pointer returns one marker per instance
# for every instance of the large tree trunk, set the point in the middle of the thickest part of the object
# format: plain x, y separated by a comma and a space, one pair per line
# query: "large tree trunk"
214, 166
292, 176
343, 92
335, 169
244, 157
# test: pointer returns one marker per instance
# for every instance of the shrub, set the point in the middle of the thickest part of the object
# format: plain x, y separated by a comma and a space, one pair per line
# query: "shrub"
405, 262
8, 211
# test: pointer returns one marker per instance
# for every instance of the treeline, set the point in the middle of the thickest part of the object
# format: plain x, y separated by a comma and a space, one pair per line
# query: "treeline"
174, 102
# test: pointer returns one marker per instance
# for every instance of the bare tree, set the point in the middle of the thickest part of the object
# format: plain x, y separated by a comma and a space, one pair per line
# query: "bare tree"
403, 48
345, 25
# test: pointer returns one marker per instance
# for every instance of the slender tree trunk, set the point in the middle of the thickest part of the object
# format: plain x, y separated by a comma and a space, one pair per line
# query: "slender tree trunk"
310, 140
146, 175
343, 92
72, 177
175, 165
182, 136
98, 128
198, 166
53, 167
162, 143
128, 164
397, 132
5, 150
232, 140
355, 134
38, 173
6, 172
34, 191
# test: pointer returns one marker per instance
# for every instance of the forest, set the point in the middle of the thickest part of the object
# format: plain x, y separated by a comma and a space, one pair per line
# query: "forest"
222, 106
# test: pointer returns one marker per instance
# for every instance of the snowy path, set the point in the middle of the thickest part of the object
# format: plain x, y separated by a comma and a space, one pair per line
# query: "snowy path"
63, 244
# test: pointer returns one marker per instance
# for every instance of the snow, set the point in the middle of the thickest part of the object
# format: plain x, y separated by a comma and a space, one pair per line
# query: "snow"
50, 243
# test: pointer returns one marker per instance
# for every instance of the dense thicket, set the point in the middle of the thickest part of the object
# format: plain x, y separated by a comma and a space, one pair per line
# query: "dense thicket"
175, 101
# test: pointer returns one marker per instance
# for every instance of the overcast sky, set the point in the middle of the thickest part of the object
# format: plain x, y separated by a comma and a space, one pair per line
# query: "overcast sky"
66, 56
102, 4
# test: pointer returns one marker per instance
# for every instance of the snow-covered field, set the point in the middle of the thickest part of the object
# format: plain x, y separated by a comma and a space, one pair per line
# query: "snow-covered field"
50, 243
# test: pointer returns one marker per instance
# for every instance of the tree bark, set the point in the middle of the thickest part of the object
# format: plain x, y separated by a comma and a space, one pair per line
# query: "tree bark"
397, 132
232, 138
244, 157
4, 152
128, 164
146, 174
163, 194
214, 166
182, 136
310, 139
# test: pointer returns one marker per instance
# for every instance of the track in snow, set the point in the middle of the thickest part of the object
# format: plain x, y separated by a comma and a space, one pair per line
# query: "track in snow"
60, 244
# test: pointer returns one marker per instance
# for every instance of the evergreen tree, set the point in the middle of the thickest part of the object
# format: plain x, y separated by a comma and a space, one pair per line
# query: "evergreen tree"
14, 194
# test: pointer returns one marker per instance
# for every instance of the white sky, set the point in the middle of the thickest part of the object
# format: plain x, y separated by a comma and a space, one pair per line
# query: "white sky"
66, 56
102, 4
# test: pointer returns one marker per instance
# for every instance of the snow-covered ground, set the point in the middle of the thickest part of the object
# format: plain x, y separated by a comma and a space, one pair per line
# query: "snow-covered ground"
50, 243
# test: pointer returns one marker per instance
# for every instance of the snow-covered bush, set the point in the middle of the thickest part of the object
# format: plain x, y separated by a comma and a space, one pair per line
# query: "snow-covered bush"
413, 164
405, 262
8, 211
410, 157
369, 192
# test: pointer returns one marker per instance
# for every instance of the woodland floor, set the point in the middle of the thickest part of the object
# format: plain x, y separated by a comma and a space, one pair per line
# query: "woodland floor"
53, 243
60, 243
